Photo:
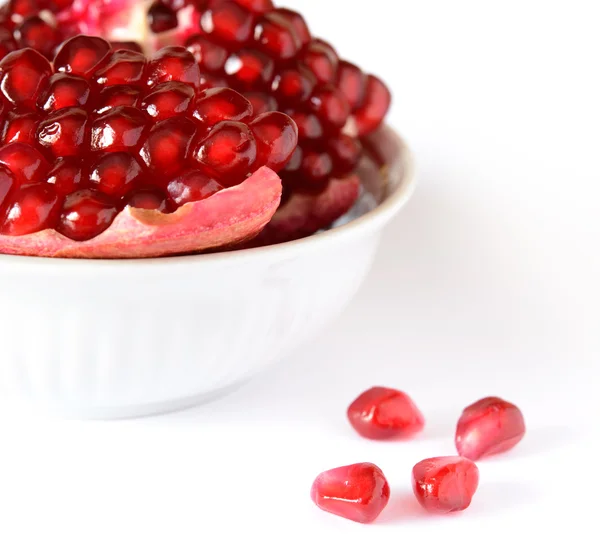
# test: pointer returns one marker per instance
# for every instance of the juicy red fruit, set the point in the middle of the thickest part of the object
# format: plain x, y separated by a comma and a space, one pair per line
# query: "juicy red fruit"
445, 484
357, 492
487, 427
382, 413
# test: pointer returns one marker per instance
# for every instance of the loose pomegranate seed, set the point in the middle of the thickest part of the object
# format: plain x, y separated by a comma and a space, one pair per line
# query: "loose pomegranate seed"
228, 23
132, 46
261, 102
488, 427
330, 106
294, 86
256, 6
122, 67
64, 132
210, 56
36, 33
161, 18
309, 125
117, 96
322, 60
65, 91
81, 55
380, 413
23, 75
357, 492
24, 161
150, 200
250, 70
275, 36
21, 127
376, 104
168, 99
316, 168
116, 174
193, 185
445, 484
174, 63
33, 208
120, 129
345, 153
20, 9
67, 175
86, 214
7, 182
297, 23
221, 104
352, 82
276, 139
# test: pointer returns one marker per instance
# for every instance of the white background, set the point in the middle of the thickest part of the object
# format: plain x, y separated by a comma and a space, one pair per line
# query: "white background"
488, 283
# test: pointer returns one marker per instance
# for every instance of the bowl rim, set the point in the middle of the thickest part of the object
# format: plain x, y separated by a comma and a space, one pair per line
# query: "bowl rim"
370, 221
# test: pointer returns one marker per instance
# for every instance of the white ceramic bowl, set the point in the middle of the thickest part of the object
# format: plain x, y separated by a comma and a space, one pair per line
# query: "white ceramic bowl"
122, 338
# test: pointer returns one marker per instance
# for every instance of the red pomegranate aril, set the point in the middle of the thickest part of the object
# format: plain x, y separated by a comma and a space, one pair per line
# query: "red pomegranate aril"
275, 36
81, 55
34, 207
7, 183
67, 175
297, 23
168, 99
376, 104
86, 214
121, 67
330, 106
38, 34
174, 63
210, 56
352, 83
7, 46
256, 6
316, 167
382, 413
322, 60
345, 152
228, 152
23, 76
126, 45
261, 102
24, 161
21, 127
220, 104
116, 174
167, 148
294, 86
118, 96
276, 139
20, 9
161, 18
64, 132
309, 125
445, 484
153, 199
193, 185
250, 69
357, 492
295, 161
487, 427
120, 129
228, 23
65, 91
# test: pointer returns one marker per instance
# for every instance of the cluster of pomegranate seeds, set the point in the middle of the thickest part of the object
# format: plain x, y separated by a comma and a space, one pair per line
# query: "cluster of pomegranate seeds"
101, 129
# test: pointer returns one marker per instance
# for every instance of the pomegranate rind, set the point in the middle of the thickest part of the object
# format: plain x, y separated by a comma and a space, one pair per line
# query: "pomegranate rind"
229, 217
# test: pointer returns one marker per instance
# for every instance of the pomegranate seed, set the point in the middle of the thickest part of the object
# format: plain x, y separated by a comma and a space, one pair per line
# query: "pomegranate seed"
86, 214
174, 63
228, 152
380, 413
168, 145
23, 75
120, 129
357, 492
36, 33
24, 161
294, 86
168, 99
115, 174
161, 18
295, 162
276, 138
7, 46
150, 200
64, 132
309, 125
131, 46
121, 67
488, 427
193, 185
376, 104
275, 36
256, 6
352, 82
316, 167
7, 182
261, 102
322, 60
228, 23
330, 106
67, 176
20, 9
250, 69
81, 55
21, 127
445, 484
210, 56
117, 96
297, 23
221, 104
345, 153
65, 91
33, 208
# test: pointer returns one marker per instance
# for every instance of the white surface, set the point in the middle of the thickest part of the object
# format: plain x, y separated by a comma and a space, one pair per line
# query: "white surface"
487, 284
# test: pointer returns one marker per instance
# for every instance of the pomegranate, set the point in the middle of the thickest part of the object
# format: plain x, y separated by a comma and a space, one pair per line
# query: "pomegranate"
83, 174
357, 492
487, 427
445, 484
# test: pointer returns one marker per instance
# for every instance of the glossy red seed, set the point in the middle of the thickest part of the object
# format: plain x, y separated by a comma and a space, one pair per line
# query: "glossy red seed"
174, 63
256, 6
228, 23
295, 162
168, 99
382, 413
120, 129
24, 161
209, 55
276, 139
275, 36
293, 86
309, 125
149, 199
121, 67
81, 55
250, 70
193, 185
298, 23
20, 9
116, 174
330, 106
322, 60
7, 183
33, 208
345, 152
352, 83
357, 492
7, 46
21, 127
488, 427
261, 102
167, 148
316, 167
116, 96
65, 91
445, 484
221, 104
67, 175
64, 132
161, 18
376, 104
38, 34
126, 45
23, 76
86, 214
